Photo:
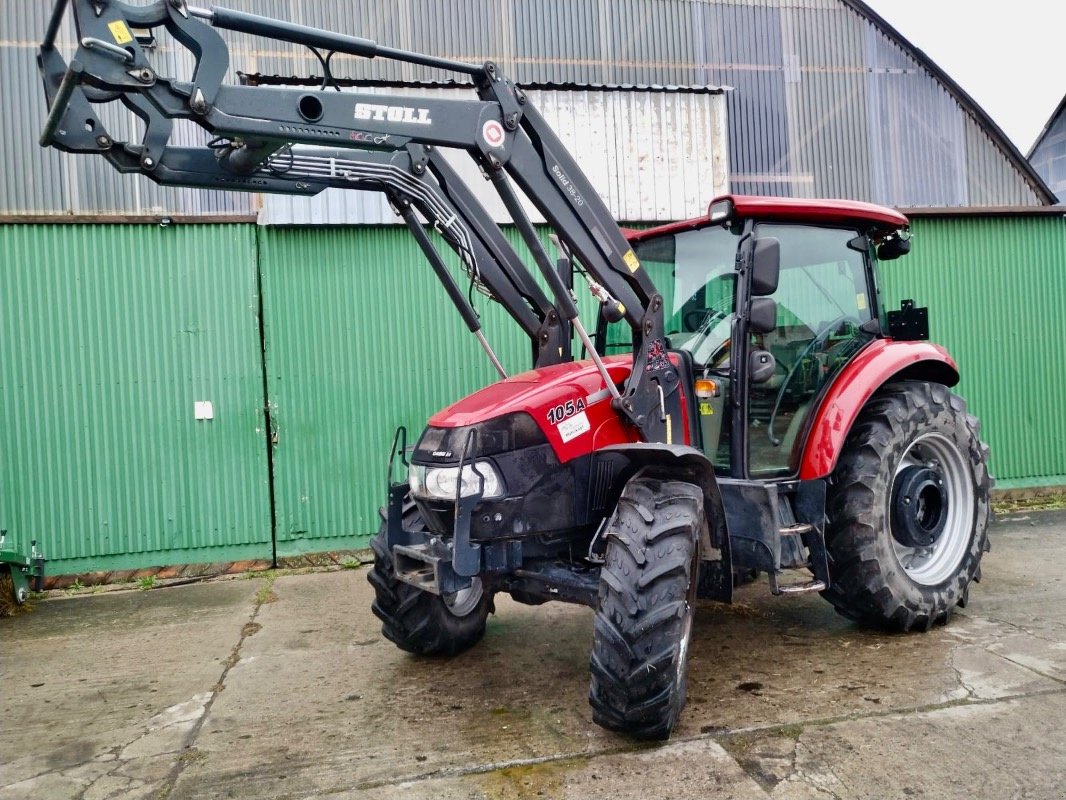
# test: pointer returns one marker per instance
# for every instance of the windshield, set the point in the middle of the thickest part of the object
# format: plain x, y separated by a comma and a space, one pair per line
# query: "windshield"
696, 273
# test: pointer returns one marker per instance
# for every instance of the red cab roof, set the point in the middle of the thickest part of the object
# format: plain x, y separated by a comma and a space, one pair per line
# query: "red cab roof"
786, 209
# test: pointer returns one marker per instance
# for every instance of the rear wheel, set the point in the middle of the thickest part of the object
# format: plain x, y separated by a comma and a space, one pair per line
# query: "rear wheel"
643, 622
421, 622
908, 509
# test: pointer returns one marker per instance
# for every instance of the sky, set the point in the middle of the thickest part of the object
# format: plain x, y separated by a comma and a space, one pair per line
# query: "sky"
1009, 57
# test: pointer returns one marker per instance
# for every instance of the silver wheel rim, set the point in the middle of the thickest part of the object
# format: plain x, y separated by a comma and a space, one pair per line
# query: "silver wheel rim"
461, 603
682, 652
690, 613
937, 563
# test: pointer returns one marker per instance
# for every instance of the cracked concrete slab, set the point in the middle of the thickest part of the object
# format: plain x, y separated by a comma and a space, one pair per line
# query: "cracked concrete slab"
687, 770
248, 689
98, 690
971, 751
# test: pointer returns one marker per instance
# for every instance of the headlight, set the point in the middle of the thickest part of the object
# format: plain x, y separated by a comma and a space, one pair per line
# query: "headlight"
440, 482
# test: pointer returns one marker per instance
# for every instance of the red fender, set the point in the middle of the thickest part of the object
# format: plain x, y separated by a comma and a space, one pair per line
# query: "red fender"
882, 360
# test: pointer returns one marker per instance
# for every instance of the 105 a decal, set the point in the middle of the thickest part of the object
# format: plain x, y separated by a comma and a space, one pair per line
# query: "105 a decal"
565, 411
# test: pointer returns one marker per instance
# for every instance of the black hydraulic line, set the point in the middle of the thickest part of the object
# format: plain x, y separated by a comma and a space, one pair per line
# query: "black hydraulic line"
590, 243
563, 298
455, 294
480, 222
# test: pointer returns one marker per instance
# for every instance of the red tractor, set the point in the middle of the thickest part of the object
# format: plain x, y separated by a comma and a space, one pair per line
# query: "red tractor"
744, 404
817, 436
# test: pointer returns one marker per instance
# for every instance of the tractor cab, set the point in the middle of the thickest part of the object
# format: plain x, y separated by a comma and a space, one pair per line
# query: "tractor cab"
767, 300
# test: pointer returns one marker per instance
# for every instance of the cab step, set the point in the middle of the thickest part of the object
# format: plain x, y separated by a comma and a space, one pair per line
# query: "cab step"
797, 529
795, 588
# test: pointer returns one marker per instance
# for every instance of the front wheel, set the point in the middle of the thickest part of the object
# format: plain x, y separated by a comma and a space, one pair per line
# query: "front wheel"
647, 595
907, 509
421, 622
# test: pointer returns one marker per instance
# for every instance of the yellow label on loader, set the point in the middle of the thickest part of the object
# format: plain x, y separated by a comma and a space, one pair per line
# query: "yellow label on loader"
120, 32
631, 260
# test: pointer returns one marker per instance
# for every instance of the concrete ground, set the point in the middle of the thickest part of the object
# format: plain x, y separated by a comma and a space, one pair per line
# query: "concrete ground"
282, 687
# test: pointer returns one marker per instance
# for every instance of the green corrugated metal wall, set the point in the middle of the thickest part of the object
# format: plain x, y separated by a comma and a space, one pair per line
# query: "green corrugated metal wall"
359, 340
995, 288
111, 332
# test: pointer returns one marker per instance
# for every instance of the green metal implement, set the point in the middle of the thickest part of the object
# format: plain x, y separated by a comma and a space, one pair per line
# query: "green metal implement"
21, 567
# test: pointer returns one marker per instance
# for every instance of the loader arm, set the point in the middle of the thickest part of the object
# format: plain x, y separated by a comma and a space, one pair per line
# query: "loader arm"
258, 133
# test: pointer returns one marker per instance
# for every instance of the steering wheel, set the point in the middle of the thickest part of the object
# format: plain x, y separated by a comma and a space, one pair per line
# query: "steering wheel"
822, 337
701, 318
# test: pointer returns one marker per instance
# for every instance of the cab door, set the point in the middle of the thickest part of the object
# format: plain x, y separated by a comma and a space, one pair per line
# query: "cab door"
824, 302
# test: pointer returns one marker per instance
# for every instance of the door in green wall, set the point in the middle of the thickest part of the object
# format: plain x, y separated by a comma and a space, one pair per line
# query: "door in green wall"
115, 339
359, 340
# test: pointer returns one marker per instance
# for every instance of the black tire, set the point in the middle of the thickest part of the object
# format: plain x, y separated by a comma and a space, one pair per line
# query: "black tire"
879, 575
417, 621
643, 621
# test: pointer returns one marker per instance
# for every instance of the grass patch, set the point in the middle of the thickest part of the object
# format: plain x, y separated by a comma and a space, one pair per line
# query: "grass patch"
266, 591
1013, 503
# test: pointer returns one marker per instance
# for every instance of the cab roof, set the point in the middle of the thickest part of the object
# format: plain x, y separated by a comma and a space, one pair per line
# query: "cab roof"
866, 216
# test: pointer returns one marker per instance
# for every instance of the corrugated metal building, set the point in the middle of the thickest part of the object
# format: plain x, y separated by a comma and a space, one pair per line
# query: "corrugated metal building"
828, 100
1048, 154
655, 154
116, 335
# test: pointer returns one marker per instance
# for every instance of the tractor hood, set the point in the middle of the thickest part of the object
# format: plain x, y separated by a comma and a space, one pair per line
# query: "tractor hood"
569, 403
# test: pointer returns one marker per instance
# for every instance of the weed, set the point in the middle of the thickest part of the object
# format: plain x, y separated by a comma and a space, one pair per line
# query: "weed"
266, 593
352, 563
793, 731
1038, 501
77, 586
146, 583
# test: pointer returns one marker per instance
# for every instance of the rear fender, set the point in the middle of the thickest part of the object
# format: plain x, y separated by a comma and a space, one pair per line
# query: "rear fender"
881, 362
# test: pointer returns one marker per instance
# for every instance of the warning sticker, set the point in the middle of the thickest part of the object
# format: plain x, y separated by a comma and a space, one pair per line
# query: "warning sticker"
631, 260
120, 32
492, 132
574, 427
860, 301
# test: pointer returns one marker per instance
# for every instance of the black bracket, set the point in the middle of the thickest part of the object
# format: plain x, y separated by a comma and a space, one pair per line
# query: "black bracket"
909, 324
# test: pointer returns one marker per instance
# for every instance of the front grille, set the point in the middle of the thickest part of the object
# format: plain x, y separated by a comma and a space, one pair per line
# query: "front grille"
439, 515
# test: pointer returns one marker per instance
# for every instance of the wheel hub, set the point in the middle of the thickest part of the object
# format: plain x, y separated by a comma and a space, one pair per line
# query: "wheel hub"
919, 506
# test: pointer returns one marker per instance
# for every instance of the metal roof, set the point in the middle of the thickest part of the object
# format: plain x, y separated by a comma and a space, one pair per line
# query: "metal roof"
1048, 153
989, 125
829, 101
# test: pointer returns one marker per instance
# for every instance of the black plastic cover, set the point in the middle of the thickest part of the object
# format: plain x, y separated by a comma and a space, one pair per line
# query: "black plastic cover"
500, 435
909, 324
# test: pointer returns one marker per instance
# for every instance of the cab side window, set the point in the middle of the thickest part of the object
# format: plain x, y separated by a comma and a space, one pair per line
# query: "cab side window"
823, 299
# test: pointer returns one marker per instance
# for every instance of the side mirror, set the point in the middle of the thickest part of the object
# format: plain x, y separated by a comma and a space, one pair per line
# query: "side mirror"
721, 211
891, 249
761, 366
762, 318
765, 266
